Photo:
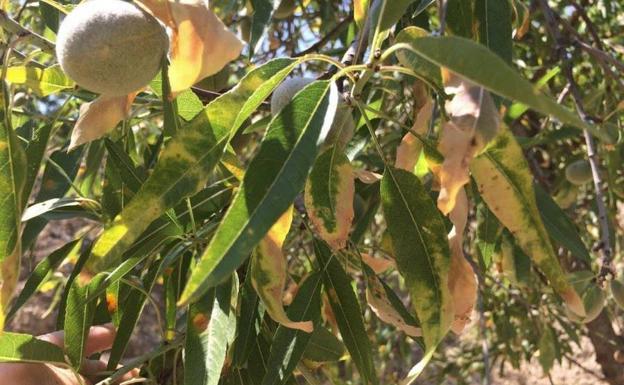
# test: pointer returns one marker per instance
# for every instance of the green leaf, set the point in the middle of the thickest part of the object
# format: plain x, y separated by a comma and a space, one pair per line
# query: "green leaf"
494, 26
16, 347
272, 181
185, 163
347, 311
34, 155
12, 166
479, 65
559, 225
323, 346
79, 315
249, 322
187, 103
413, 61
329, 194
421, 249
290, 344
384, 16
131, 310
43, 81
488, 234
260, 20
41, 274
506, 185
459, 17
546, 347
210, 330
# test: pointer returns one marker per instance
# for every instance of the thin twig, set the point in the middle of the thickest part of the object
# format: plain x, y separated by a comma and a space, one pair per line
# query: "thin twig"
15, 28
604, 246
325, 39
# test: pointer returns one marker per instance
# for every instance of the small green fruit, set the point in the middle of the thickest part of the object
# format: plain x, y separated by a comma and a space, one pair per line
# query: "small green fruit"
578, 172
111, 47
617, 291
594, 301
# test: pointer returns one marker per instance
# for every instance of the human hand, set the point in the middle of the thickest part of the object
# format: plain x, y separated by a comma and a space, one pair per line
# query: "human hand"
100, 338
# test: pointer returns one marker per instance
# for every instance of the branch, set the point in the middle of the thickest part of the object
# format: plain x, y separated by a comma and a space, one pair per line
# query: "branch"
325, 39
15, 28
604, 246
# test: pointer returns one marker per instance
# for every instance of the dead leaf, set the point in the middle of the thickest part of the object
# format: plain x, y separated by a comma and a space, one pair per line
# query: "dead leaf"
99, 117
408, 151
268, 273
367, 177
378, 265
462, 281
474, 122
201, 45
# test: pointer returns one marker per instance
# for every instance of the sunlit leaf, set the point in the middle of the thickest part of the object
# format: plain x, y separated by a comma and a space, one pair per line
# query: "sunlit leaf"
185, 163
273, 179
44, 82
16, 347
505, 183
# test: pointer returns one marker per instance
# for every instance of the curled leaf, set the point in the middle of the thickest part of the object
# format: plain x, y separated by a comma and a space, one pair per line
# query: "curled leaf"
474, 122
99, 117
201, 45
268, 273
329, 194
462, 281
367, 177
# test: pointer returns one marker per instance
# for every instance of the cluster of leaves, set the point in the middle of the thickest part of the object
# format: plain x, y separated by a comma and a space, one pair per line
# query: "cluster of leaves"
282, 253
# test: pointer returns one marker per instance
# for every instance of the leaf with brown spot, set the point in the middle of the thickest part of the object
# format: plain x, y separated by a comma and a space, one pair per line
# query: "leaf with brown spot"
329, 194
201, 45
99, 117
474, 122
388, 308
268, 273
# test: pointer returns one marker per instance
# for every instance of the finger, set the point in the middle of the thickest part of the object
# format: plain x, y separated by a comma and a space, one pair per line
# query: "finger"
100, 338
92, 367
134, 373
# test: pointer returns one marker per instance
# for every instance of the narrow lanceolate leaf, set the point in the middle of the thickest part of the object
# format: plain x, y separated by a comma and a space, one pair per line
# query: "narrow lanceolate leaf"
272, 181
43, 81
269, 272
422, 255
289, 344
210, 331
559, 225
79, 315
187, 160
384, 15
43, 271
494, 26
324, 347
12, 166
505, 183
260, 20
388, 307
329, 194
479, 65
249, 323
347, 311
15, 347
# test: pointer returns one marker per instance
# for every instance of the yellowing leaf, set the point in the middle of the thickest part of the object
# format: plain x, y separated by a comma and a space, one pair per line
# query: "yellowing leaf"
329, 194
360, 9
99, 117
43, 81
506, 185
408, 151
378, 299
201, 45
268, 273
474, 122
462, 281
